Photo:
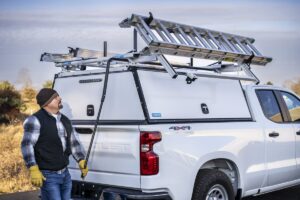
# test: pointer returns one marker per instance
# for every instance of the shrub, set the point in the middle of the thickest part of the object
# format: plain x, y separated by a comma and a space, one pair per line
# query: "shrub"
10, 103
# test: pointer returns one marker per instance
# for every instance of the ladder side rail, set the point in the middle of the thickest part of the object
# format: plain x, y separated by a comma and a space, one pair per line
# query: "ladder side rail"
148, 29
81, 62
48, 57
142, 32
194, 51
84, 53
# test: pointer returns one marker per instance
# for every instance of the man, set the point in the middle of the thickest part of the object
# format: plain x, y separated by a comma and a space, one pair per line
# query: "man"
48, 140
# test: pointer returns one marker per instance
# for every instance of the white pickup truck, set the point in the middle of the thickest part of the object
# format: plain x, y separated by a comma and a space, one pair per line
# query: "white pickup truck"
210, 137
156, 140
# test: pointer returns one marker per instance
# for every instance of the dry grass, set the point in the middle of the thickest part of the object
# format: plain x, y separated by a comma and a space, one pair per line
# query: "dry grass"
14, 176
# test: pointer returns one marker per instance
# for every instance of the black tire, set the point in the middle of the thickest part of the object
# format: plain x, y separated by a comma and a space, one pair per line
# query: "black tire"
211, 179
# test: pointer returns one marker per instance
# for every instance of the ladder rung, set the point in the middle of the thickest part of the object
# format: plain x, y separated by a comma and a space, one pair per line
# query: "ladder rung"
239, 50
245, 50
232, 47
178, 37
214, 40
247, 47
195, 40
166, 32
161, 34
184, 36
211, 44
225, 46
199, 37
253, 48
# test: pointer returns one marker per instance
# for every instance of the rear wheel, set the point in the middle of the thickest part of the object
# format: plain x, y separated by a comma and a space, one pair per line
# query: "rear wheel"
212, 184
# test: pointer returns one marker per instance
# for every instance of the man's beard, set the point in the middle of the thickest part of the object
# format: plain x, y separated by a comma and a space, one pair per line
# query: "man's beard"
60, 106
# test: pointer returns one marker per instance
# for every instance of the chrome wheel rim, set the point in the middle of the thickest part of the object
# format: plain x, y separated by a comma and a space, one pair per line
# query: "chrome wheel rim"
217, 192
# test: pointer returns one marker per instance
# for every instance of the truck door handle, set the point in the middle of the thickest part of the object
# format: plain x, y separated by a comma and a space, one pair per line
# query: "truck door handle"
274, 134
298, 132
84, 130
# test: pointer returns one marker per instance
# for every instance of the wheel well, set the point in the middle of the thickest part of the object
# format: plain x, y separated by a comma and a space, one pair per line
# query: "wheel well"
226, 166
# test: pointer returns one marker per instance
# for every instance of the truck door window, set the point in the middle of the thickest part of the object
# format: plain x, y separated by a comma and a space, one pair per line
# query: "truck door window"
293, 105
269, 105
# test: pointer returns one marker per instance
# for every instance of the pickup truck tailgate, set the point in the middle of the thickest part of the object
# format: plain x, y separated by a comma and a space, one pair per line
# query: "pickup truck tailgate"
114, 159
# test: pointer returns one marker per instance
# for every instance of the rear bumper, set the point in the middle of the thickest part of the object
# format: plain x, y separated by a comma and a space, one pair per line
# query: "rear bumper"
124, 194
84, 190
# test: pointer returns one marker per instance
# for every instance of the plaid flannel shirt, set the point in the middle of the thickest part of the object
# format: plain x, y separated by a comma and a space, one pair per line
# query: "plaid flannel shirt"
32, 132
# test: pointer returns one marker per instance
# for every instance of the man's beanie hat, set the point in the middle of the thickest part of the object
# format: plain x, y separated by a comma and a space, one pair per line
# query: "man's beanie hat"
45, 96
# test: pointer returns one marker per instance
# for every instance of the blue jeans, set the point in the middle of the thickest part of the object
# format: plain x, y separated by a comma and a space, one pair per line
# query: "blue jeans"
56, 186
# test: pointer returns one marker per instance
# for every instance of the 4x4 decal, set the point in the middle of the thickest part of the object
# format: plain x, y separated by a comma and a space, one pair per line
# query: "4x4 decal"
177, 128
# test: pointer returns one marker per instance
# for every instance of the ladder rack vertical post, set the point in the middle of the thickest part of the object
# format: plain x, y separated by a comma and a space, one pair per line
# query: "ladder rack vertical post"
192, 62
134, 40
105, 49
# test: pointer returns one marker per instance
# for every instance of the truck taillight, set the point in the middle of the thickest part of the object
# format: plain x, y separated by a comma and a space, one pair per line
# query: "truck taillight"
149, 161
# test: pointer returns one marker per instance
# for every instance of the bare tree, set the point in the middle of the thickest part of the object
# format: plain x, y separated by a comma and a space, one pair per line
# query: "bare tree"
23, 78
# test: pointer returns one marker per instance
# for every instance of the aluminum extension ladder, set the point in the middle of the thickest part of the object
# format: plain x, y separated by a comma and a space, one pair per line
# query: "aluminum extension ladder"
170, 38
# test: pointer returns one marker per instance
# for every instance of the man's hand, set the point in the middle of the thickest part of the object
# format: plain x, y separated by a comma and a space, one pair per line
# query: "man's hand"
36, 175
84, 171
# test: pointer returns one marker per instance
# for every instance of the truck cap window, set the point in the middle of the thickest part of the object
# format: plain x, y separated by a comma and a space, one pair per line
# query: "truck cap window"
293, 105
269, 105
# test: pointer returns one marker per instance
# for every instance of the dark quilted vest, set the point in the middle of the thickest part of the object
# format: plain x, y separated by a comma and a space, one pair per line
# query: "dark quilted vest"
48, 149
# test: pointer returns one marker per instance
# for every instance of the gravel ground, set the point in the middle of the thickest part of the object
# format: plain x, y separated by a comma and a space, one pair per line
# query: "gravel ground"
287, 194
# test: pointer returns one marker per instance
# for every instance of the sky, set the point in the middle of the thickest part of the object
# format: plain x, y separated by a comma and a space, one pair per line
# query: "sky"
29, 28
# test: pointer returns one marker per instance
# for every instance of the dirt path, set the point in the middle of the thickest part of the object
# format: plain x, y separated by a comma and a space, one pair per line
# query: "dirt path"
33, 195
